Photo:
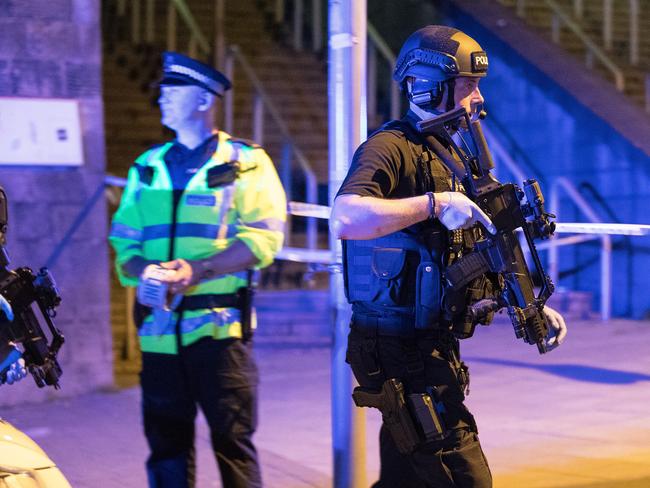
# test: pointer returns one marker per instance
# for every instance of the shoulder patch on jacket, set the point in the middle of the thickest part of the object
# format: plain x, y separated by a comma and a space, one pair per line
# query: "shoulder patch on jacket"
244, 143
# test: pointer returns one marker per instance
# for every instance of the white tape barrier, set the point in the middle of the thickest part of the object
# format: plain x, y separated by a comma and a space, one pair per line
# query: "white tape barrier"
324, 256
602, 229
299, 255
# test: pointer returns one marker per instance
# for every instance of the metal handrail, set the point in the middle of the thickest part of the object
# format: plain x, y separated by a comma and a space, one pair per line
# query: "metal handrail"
263, 101
389, 56
559, 15
565, 184
379, 44
192, 25
592, 48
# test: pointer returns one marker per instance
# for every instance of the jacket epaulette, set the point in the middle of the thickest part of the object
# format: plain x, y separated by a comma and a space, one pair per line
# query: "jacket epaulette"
244, 142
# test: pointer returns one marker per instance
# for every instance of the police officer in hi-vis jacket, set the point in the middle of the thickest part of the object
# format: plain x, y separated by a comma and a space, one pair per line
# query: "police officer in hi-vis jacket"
198, 215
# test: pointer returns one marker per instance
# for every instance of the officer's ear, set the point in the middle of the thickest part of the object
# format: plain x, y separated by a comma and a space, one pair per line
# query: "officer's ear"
206, 100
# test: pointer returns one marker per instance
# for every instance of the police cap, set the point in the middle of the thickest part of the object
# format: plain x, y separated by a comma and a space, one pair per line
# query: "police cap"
179, 69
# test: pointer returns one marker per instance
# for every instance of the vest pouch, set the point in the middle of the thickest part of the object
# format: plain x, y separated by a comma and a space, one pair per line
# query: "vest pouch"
389, 276
427, 300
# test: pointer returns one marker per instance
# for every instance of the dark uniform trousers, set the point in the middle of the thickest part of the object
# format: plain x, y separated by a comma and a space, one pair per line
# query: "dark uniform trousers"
426, 360
220, 376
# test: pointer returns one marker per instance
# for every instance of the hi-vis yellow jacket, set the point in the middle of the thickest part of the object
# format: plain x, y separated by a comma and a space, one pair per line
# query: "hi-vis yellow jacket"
206, 220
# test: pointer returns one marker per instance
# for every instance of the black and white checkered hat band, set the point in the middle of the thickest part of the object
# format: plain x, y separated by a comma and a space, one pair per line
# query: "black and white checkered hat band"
195, 75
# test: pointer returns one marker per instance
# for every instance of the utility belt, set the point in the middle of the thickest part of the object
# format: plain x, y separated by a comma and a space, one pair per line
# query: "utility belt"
399, 326
242, 300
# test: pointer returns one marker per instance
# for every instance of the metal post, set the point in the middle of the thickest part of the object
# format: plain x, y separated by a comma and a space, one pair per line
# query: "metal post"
589, 59
149, 21
553, 249
297, 24
312, 223
316, 25
647, 92
347, 128
135, 22
279, 11
171, 27
521, 8
578, 8
634, 31
258, 119
606, 278
285, 177
229, 97
372, 85
395, 100
192, 47
131, 343
556, 24
607, 24
219, 34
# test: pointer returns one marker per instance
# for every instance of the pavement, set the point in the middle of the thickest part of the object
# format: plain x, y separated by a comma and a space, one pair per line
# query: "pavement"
578, 417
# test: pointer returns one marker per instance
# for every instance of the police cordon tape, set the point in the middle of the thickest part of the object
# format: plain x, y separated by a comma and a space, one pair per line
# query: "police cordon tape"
324, 256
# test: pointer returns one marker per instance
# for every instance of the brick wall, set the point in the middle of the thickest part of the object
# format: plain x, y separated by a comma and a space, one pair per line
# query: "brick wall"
52, 49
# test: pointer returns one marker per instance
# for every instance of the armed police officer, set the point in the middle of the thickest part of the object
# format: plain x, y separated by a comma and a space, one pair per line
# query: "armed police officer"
198, 214
403, 216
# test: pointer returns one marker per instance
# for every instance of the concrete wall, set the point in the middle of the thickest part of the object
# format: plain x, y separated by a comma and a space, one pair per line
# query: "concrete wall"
52, 49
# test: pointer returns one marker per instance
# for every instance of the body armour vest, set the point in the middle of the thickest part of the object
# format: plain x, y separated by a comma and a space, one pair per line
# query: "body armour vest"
397, 278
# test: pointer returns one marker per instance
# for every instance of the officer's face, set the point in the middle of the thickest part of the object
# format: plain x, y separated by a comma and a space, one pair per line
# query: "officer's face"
467, 94
180, 105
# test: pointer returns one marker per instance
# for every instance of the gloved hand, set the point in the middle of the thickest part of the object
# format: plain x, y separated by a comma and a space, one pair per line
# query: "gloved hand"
557, 330
456, 211
16, 372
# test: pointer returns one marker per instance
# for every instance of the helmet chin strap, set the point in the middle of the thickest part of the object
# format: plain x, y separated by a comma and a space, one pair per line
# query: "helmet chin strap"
430, 99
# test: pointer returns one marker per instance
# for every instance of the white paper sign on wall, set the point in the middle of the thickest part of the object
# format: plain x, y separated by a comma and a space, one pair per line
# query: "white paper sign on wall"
40, 131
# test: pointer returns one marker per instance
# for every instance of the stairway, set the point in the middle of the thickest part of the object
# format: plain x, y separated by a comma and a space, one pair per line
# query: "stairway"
539, 16
295, 82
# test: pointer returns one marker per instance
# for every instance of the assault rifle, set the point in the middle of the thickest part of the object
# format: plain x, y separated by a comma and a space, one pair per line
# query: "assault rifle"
510, 208
27, 292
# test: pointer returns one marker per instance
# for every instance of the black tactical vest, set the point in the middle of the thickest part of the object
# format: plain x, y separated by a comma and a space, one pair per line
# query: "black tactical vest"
397, 279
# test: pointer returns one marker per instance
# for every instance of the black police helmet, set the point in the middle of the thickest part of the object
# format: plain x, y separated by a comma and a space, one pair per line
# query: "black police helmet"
438, 53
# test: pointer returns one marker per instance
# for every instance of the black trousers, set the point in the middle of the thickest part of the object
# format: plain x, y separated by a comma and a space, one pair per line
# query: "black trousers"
220, 377
419, 362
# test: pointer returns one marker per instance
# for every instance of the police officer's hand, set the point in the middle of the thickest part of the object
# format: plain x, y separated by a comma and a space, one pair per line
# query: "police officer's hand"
183, 278
456, 211
557, 328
